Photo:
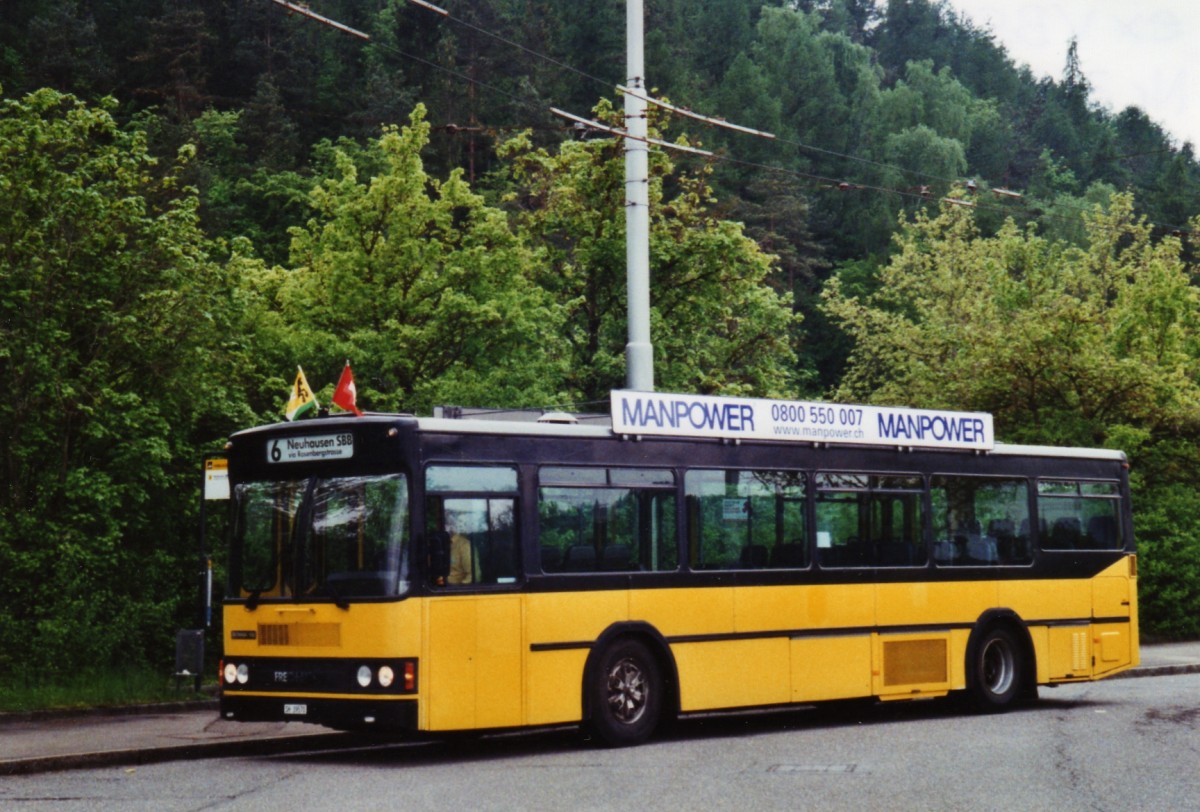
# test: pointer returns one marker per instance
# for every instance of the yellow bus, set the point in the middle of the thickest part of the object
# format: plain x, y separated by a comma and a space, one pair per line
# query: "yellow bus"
682, 554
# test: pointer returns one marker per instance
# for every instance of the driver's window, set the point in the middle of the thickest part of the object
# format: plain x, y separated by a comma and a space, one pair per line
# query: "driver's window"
471, 525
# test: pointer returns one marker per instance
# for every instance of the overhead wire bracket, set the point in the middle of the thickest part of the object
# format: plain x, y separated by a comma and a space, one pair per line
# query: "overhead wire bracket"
683, 111
431, 7
323, 20
596, 125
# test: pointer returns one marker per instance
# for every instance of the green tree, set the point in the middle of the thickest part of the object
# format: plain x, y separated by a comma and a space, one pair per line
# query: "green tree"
935, 100
926, 156
1096, 345
65, 51
112, 320
716, 323
423, 286
1063, 345
176, 60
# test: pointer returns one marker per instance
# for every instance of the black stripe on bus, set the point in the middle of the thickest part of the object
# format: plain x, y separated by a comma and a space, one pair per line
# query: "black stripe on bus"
846, 631
1051, 564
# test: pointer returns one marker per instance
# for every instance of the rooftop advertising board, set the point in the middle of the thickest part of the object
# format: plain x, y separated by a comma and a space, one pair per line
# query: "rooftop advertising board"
655, 413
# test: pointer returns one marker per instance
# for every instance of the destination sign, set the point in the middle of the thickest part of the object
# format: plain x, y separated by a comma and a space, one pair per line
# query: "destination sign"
798, 421
310, 448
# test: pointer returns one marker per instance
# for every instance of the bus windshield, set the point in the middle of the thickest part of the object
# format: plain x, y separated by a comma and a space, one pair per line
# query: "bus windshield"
339, 538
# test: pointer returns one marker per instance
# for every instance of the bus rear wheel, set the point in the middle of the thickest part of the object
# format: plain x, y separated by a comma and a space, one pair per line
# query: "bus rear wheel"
626, 694
996, 670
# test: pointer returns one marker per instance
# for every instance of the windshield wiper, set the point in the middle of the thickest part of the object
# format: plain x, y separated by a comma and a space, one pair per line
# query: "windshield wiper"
338, 600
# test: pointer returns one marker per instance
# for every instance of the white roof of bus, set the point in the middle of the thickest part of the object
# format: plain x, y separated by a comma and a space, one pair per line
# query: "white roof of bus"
602, 429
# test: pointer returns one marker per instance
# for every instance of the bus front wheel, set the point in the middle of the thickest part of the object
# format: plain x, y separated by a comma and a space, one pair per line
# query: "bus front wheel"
626, 694
996, 669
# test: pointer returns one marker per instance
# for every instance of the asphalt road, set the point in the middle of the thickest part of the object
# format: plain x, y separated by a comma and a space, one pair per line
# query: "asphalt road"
1129, 744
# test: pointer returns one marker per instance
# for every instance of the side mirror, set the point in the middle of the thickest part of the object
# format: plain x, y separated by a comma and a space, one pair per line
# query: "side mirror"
439, 556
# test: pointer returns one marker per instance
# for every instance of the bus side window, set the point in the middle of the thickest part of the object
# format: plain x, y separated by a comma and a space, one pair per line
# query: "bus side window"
479, 541
746, 519
1079, 515
980, 521
471, 524
606, 520
870, 520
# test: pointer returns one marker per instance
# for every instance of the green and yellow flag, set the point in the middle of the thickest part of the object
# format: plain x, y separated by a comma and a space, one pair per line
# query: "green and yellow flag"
302, 399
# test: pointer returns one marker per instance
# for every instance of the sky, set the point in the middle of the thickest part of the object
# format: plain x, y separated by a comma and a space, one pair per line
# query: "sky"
1144, 53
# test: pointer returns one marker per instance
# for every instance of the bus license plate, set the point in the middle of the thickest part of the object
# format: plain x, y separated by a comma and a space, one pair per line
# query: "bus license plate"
295, 710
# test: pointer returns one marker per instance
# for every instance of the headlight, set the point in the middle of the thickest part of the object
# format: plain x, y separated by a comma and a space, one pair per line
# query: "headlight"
386, 676
364, 675
230, 673
243, 674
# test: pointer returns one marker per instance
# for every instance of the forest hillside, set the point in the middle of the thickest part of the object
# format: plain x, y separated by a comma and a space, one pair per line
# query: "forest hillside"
197, 196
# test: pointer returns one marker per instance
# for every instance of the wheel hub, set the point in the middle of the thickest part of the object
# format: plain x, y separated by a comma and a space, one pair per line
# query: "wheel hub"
627, 691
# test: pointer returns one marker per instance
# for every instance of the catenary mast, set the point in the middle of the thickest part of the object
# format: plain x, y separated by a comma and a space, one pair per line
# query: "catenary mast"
639, 352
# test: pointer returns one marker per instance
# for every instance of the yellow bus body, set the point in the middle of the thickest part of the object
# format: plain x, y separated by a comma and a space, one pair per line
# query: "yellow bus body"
490, 661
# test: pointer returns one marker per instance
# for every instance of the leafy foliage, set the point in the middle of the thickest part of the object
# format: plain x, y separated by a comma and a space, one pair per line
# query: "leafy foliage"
251, 202
1168, 532
1065, 346
419, 281
1061, 344
111, 317
719, 326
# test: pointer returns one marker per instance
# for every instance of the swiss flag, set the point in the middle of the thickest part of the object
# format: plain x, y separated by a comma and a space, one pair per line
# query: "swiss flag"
345, 394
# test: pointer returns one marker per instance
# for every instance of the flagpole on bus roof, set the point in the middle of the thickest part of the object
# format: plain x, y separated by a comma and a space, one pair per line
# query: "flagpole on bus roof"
639, 352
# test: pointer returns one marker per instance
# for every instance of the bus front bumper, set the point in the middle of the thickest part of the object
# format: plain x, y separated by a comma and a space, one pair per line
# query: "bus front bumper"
366, 713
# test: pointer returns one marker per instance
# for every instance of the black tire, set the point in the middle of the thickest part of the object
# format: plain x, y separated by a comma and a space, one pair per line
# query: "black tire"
996, 670
626, 694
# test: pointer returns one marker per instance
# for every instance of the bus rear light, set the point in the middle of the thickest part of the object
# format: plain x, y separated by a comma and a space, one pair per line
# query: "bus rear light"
410, 676
386, 676
364, 675
230, 673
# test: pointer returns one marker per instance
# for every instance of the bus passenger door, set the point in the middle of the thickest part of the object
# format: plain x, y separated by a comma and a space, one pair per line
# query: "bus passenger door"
473, 660
473, 674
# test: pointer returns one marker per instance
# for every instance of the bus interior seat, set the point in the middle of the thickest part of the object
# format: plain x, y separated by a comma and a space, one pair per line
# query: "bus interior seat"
551, 558
616, 557
853, 553
982, 550
858, 554
829, 556
945, 552
1025, 527
1102, 532
1066, 533
788, 555
893, 554
579, 558
1005, 533
754, 557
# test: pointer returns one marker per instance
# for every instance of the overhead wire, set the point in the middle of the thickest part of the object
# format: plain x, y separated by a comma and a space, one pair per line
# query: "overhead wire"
999, 191
500, 38
840, 184
607, 85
